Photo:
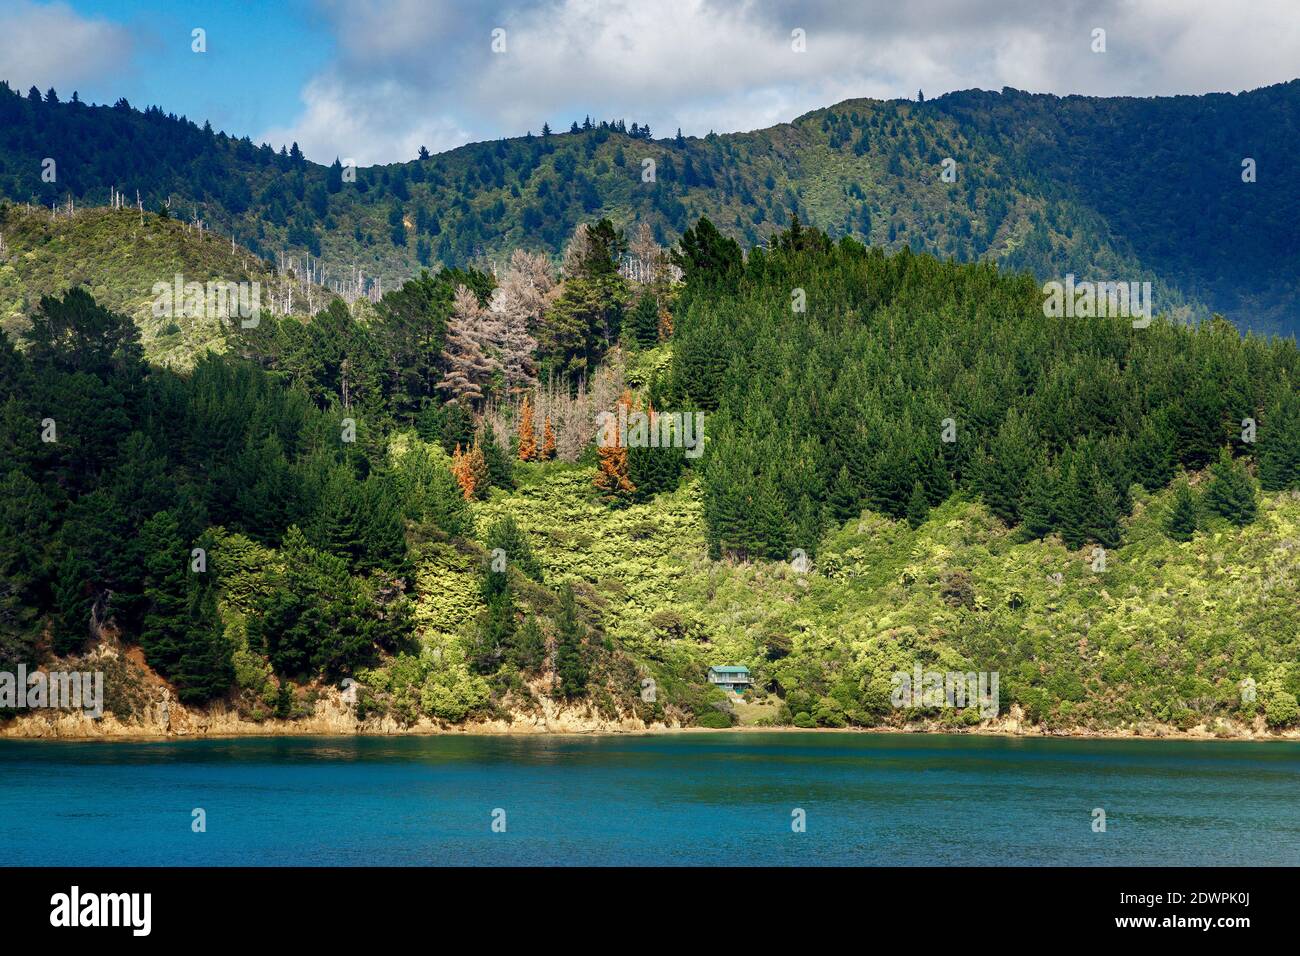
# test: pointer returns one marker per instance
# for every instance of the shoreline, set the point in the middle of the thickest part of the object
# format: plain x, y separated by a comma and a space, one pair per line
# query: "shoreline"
129, 733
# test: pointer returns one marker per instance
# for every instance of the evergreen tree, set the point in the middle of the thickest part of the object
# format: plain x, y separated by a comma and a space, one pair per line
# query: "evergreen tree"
1104, 513
1279, 445
644, 320
1151, 456
500, 470
845, 501
570, 647
1038, 508
457, 429
1181, 522
70, 621
1231, 491
917, 506
506, 534
528, 648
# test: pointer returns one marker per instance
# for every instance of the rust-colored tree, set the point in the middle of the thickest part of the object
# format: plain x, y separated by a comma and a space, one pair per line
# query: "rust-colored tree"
476, 466
611, 475
548, 440
665, 324
461, 472
527, 435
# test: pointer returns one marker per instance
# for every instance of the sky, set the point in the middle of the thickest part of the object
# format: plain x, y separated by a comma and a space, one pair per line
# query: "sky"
373, 80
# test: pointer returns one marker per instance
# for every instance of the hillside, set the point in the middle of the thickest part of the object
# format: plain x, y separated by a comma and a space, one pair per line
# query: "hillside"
119, 256
1106, 188
920, 472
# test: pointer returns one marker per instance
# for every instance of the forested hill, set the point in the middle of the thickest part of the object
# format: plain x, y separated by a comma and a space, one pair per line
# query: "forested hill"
920, 469
1110, 189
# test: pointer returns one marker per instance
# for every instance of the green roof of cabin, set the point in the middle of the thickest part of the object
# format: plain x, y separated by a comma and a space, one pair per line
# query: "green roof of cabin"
730, 670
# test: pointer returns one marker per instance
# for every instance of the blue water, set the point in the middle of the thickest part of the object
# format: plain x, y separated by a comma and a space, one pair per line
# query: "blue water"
723, 798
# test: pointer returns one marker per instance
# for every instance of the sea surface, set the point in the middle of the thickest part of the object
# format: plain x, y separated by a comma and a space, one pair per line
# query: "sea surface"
698, 798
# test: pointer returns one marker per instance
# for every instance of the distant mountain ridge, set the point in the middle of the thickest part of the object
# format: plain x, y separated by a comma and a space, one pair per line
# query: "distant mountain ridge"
1104, 188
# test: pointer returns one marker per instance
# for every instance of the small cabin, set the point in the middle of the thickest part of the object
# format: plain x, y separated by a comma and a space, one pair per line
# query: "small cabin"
734, 679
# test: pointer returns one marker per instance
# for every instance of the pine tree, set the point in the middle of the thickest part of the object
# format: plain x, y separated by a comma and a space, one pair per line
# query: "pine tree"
500, 472
665, 324
1037, 509
1231, 491
469, 368
653, 469
1181, 522
70, 621
1151, 456
477, 469
1104, 513
166, 592
845, 501
570, 647
1072, 505
644, 320
612, 478
917, 507
548, 440
457, 427
527, 433
528, 649
1001, 470
520, 301
506, 534
1279, 445
496, 625
461, 470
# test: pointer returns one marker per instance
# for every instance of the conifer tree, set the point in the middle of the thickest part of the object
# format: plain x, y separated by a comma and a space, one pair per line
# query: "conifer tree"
570, 647
844, 499
477, 470
612, 478
1001, 470
70, 621
1279, 445
528, 649
469, 366
548, 440
1181, 522
644, 320
653, 469
457, 427
1104, 513
527, 433
665, 324
500, 472
1231, 491
1151, 456
1038, 508
461, 470
917, 506
506, 534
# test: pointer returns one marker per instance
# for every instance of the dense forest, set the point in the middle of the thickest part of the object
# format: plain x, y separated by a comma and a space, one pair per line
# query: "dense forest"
1107, 188
903, 461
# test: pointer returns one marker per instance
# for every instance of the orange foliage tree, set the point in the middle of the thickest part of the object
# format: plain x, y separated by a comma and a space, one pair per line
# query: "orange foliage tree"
527, 437
548, 440
611, 474
460, 470
665, 324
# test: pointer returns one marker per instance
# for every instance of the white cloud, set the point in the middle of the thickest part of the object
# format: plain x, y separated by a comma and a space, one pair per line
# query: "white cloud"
51, 45
411, 72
